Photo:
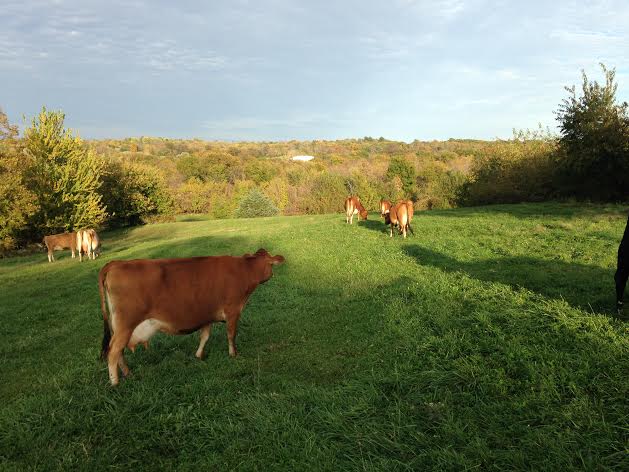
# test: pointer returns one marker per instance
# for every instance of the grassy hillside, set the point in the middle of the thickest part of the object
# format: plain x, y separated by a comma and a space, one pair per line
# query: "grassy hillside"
485, 341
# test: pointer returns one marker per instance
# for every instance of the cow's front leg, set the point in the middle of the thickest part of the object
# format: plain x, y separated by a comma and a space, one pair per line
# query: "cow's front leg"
232, 328
621, 281
205, 335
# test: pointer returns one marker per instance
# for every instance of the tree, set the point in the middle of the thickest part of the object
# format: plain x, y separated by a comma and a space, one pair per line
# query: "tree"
17, 203
64, 175
405, 171
134, 193
594, 141
255, 204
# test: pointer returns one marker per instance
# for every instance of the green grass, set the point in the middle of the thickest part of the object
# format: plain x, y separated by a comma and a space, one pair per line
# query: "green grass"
486, 342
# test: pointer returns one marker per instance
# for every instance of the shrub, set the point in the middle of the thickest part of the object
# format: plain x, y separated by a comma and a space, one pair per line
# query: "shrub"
134, 193
326, 194
594, 139
516, 170
255, 204
17, 203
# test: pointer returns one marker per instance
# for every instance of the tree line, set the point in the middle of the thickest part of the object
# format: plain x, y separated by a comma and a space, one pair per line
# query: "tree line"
53, 181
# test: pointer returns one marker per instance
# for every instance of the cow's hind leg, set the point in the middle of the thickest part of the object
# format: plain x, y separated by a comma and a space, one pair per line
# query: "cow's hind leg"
621, 281
122, 363
232, 328
205, 335
118, 341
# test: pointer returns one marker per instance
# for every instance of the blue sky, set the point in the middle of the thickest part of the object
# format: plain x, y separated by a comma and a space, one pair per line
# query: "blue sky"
278, 70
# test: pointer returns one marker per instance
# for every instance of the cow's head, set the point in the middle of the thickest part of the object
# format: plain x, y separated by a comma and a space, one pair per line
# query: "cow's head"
363, 214
265, 261
385, 207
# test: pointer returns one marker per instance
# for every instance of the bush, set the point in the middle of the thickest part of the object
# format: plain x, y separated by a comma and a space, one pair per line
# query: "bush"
134, 193
439, 187
517, 170
594, 129
193, 197
17, 203
326, 194
256, 204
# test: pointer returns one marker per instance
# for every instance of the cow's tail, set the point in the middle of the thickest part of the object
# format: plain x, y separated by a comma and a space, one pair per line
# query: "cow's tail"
106, 328
408, 225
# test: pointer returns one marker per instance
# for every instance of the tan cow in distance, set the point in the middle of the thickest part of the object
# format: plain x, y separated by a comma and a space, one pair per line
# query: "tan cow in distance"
385, 207
354, 207
400, 215
87, 242
175, 296
60, 241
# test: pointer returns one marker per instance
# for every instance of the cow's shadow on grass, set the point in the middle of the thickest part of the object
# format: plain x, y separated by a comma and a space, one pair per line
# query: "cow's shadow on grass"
586, 287
375, 224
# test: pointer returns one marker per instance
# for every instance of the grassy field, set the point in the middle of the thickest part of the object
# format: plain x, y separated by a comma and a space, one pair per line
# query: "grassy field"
485, 341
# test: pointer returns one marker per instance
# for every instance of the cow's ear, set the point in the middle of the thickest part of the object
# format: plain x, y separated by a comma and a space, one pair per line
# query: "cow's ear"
277, 260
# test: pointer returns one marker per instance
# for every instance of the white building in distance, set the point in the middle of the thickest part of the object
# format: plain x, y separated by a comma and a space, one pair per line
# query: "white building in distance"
303, 158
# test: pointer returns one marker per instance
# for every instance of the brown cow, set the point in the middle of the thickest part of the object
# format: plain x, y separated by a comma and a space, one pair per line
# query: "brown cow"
59, 241
354, 207
400, 215
87, 242
176, 296
385, 207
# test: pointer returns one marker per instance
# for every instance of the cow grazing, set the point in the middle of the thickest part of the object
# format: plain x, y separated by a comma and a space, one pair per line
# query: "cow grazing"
385, 207
622, 269
175, 296
56, 242
354, 207
400, 216
87, 242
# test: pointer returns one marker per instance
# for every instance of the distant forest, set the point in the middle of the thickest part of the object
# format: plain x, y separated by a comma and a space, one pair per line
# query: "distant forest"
52, 181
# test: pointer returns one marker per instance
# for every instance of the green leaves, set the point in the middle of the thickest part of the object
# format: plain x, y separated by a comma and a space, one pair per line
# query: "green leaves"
64, 176
255, 204
595, 140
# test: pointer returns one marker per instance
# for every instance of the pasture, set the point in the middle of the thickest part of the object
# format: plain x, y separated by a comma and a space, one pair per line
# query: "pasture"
485, 341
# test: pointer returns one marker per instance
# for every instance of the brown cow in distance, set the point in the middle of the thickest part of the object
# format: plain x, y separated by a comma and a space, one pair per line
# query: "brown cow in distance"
60, 241
400, 215
175, 296
354, 207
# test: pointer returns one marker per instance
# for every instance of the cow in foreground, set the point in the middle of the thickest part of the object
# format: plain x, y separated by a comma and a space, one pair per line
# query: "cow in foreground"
622, 268
87, 242
56, 242
175, 296
354, 207
400, 215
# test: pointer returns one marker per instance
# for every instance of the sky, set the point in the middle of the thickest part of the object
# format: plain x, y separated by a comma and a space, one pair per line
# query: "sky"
271, 70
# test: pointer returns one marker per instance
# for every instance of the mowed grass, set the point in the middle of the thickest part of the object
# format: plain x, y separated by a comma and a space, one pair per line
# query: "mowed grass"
485, 341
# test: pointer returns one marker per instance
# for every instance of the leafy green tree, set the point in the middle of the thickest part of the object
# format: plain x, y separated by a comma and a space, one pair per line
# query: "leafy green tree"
134, 193
400, 167
64, 176
256, 204
595, 140
17, 203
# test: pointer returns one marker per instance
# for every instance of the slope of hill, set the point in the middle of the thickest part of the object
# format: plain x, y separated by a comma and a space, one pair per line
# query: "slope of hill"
486, 340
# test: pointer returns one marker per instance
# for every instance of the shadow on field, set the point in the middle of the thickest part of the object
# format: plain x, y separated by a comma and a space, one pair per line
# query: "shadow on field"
376, 224
583, 286
550, 211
